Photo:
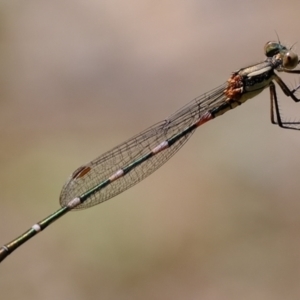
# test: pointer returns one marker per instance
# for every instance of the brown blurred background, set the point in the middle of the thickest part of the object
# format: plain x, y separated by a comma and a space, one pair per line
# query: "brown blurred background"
218, 221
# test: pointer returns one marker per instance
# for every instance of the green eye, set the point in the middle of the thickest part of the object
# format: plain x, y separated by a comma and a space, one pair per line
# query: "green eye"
273, 48
290, 60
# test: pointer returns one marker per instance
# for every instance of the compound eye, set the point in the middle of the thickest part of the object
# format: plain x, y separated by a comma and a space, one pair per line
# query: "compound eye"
272, 48
290, 60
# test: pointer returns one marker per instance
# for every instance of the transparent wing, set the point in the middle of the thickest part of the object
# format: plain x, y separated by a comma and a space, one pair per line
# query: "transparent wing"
100, 169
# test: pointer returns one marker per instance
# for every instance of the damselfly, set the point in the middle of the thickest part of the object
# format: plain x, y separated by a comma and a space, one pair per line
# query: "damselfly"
125, 165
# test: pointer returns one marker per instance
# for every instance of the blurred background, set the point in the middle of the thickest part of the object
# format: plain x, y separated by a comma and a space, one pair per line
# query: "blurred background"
219, 221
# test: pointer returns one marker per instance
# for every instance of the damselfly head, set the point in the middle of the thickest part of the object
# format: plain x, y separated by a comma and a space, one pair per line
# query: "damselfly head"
289, 58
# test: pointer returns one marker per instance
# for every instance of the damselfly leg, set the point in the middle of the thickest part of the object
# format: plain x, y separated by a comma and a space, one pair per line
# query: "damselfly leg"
276, 117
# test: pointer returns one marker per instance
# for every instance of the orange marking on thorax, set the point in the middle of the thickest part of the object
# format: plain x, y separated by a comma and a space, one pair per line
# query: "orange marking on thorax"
234, 90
